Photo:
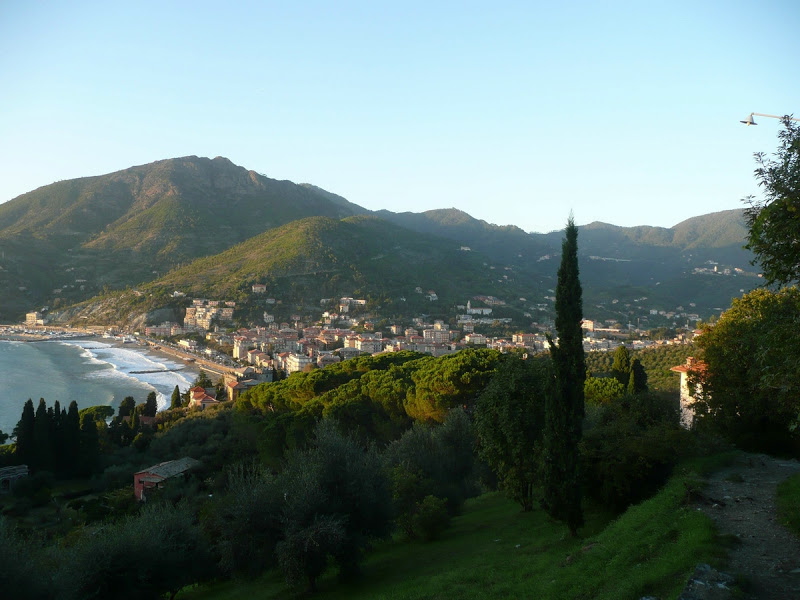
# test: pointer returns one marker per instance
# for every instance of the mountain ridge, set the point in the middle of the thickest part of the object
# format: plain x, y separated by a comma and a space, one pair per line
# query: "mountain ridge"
64, 242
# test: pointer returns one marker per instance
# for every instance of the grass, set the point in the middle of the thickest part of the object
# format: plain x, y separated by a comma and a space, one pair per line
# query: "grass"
494, 550
788, 500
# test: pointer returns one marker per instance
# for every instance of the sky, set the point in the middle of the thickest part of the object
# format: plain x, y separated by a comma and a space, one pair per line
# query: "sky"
515, 112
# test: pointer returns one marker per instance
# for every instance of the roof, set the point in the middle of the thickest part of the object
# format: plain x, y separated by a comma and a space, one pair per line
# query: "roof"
171, 468
692, 365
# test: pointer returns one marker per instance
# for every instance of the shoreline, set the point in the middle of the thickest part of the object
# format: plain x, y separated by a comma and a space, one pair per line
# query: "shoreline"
195, 366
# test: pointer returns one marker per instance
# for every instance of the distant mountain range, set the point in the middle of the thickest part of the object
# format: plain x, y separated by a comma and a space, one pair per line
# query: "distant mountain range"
207, 226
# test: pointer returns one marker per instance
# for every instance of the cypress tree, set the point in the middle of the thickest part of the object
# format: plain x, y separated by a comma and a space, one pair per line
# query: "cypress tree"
41, 437
72, 438
23, 433
126, 407
89, 450
564, 409
621, 367
150, 405
175, 401
56, 437
638, 379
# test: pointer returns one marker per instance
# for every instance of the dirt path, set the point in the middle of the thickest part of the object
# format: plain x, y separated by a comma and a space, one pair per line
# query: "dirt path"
741, 501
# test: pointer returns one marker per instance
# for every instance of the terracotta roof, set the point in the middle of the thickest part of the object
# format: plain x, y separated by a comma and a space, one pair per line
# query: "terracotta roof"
169, 468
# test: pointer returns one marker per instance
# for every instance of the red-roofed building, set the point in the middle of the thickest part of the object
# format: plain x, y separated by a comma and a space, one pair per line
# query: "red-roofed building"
153, 477
692, 371
200, 398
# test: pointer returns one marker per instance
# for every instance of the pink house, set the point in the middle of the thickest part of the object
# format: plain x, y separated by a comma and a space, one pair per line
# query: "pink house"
153, 477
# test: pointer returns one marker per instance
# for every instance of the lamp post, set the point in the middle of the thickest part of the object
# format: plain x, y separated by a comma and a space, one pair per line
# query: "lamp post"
750, 121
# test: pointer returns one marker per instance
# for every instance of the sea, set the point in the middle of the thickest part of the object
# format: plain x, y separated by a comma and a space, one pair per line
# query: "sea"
90, 371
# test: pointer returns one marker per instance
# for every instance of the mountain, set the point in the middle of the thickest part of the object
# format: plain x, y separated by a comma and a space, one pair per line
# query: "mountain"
120, 229
68, 241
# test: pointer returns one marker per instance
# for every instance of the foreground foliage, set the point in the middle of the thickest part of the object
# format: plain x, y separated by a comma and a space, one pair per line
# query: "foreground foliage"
509, 421
789, 503
751, 388
495, 551
774, 221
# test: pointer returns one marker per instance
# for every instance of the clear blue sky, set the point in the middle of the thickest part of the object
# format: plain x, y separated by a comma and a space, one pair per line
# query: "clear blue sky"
624, 112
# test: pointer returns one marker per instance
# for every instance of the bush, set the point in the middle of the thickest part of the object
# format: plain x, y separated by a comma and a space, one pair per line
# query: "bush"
630, 452
245, 521
335, 489
431, 518
158, 551
20, 577
440, 454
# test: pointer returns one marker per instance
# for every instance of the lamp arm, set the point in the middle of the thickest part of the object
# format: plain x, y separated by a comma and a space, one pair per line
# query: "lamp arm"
772, 116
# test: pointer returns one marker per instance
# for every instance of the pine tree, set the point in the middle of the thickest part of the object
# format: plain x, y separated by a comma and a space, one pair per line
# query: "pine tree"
23, 433
175, 401
564, 409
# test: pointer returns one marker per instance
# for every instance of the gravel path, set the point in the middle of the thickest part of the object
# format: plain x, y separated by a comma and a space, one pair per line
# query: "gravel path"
741, 501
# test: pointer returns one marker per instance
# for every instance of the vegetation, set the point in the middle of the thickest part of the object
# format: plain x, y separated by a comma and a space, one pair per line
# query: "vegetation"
773, 222
495, 551
656, 361
509, 421
564, 408
788, 500
750, 387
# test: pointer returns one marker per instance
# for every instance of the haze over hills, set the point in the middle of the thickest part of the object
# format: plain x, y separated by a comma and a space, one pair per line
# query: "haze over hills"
66, 242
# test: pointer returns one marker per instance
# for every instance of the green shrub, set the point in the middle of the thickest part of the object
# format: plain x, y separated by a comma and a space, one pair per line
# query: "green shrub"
431, 518
631, 450
789, 503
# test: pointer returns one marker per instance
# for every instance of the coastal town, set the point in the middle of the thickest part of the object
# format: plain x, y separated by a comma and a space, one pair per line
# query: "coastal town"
247, 356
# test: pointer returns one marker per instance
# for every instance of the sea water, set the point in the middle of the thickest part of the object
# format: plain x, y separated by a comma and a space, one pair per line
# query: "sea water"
89, 371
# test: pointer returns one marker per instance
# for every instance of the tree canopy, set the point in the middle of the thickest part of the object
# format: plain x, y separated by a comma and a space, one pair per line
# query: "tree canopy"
774, 220
751, 388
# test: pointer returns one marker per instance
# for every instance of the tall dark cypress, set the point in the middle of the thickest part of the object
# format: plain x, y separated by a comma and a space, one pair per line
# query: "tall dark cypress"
41, 437
23, 433
71, 424
175, 401
56, 437
564, 408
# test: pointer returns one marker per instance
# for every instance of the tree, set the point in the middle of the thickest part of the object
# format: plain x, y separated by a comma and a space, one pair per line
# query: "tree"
151, 405
175, 401
23, 434
89, 449
751, 386
509, 421
203, 380
564, 409
621, 367
158, 551
637, 383
336, 500
71, 437
602, 390
126, 407
41, 437
774, 221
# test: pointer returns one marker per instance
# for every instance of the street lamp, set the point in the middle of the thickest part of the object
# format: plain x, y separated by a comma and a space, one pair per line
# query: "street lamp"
749, 120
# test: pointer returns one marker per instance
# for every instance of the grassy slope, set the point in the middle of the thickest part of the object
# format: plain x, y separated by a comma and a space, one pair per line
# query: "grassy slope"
788, 499
495, 551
